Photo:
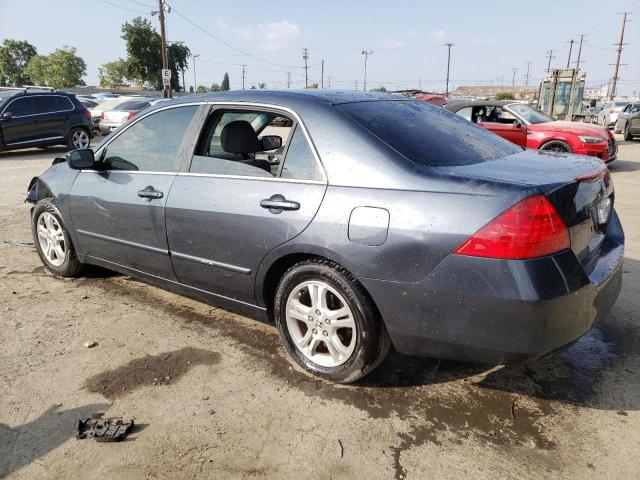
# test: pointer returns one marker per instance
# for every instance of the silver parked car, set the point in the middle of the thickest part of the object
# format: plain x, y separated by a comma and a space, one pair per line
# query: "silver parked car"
609, 114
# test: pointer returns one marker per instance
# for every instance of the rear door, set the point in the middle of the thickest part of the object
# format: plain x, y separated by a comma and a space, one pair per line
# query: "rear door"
118, 211
505, 124
226, 211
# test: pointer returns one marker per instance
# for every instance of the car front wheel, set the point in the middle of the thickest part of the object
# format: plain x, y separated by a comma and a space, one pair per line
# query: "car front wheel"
556, 146
328, 323
52, 240
627, 133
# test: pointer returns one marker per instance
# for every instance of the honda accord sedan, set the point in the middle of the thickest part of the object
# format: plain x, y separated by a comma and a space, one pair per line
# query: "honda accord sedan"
353, 221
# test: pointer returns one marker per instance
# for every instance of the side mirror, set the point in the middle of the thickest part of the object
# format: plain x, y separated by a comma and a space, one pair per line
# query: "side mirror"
270, 142
7, 115
81, 159
518, 124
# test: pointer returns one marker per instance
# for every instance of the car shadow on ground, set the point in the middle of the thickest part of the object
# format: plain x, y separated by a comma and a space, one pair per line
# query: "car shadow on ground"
21, 445
624, 166
36, 153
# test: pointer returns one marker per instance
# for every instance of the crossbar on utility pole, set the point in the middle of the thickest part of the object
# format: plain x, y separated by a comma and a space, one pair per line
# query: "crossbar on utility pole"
620, 44
446, 88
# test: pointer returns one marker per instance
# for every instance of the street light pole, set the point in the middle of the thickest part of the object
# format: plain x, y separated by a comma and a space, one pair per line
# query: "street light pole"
446, 88
195, 81
366, 54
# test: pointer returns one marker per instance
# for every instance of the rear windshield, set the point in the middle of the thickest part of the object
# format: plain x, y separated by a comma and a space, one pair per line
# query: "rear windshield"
428, 135
133, 105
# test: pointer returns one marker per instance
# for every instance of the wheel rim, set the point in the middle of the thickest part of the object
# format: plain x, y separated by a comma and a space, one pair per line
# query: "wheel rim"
51, 239
556, 147
80, 139
321, 323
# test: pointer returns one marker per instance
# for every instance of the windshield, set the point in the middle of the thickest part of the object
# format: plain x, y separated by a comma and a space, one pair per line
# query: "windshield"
428, 135
529, 114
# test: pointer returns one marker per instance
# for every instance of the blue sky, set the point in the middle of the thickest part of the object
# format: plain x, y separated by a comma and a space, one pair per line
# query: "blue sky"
407, 37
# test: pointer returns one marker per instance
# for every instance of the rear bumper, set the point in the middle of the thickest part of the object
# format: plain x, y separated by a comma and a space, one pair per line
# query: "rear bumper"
108, 127
501, 311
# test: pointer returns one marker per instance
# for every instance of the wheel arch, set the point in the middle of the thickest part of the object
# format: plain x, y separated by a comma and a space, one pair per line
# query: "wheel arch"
37, 190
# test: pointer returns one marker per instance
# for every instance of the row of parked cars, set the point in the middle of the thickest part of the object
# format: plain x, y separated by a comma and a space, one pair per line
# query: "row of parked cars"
42, 116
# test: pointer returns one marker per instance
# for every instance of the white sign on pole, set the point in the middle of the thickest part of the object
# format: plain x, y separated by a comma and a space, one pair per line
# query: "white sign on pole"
166, 77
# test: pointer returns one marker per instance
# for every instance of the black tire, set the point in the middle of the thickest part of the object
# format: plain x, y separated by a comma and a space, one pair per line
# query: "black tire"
71, 265
557, 146
627, 133
78, 131
372, 341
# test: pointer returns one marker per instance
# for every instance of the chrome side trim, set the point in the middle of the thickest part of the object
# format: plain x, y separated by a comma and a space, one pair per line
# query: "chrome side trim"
36, 140
123, 242
145, 172
212, 263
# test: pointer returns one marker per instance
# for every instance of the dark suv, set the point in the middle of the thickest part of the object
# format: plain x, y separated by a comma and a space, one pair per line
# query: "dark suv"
41, 117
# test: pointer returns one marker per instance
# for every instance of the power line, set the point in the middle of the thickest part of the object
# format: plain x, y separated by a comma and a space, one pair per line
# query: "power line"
124, 8
142, 4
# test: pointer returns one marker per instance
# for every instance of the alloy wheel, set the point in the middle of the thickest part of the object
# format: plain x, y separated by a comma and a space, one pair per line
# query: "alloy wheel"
51, 239
80, 139
320, 323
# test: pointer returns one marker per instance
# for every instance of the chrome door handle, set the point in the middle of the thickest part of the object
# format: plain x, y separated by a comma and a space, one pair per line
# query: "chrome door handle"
277, 203
150, 193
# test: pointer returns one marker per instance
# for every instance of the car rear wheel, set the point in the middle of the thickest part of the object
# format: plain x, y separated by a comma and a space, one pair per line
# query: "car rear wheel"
79, 138
328, 323
556, 146
627, 133
52, 240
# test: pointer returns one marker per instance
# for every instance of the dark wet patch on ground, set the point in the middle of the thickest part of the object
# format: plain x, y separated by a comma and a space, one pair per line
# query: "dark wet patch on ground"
158, 369
442, 400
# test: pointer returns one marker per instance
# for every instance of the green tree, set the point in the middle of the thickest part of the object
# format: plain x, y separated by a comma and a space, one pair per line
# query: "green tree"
113, 74
505, 96
215, 88
62, 68
144, 54
201, 89
379, 89
262, 85
312, 85
14, 57
225, 83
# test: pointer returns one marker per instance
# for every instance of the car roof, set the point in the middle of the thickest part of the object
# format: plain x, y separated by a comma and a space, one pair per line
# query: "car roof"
284, 97
484, 103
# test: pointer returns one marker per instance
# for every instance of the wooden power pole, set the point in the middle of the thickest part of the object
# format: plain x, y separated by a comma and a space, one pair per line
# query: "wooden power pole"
166, 89
446, 88
620, 44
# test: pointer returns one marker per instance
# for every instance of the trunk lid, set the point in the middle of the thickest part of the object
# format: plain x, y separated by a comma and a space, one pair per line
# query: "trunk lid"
580, 189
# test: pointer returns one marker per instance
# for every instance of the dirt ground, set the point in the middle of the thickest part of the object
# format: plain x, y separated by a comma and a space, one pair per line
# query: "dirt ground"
213, 394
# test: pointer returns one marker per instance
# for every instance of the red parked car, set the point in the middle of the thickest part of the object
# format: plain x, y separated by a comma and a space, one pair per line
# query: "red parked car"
524, 126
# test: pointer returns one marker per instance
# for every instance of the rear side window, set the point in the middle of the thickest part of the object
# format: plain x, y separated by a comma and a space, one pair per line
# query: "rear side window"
300, 164
428, 135
152, 143
51, 103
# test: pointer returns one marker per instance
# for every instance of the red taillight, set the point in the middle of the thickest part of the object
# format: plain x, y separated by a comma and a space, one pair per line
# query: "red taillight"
131, 115
531, 228
102, 116
87, 114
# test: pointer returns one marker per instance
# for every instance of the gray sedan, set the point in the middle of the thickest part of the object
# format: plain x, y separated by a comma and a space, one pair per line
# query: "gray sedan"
353, 221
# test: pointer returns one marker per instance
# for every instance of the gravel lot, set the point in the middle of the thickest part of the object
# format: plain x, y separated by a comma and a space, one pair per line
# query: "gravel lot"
214, 395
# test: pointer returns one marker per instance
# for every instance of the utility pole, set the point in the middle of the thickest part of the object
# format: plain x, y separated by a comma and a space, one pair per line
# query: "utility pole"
366, 54
527, 76
620, 44
579, 52
322, 75
195, 82
305, 55
288, 79
570, 48
356, 85
513, 80
166, 89
329, 81
550, 55
244, 74
446, 88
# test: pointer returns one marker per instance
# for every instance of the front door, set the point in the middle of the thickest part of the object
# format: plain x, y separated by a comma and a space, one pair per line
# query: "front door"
234, 204
118, 210
505, 124
18, 121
